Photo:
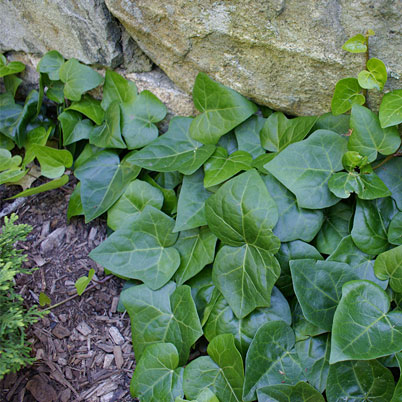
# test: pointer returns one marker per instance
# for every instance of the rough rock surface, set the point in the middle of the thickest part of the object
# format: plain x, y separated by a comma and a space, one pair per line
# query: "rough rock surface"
282, 53
83, 29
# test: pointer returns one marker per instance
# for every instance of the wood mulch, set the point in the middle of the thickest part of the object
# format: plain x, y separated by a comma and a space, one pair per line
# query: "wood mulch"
83, 347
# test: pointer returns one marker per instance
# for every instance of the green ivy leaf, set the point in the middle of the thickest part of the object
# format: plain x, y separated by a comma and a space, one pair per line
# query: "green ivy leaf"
223, 321
12, 176
222, 109
169, 195
44, 299
90, 108
397, 396
117, 88
5, 142
157, 376
391, 109
51, 185
375, 76
368, 137
11, 83
142, 250
13, 67
395, 229
271, 359
294, 222
222, 371
74, 203
318, 286
306, 166
55, 91
139, 117
82, 282
359, 381
78, 79
248, 136
388, 265
38, 135
346, 94
242, 211
50, 64
74, 129
221, 166
327, 121
164, 315
137, 196
197, 249
390, 174
356, 44
301, 392
7, 161
278, 132
363, 327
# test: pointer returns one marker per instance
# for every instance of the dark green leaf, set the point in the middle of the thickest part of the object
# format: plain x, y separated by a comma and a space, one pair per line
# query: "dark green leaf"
11, 83
398, 389
169, 179
90, 108
50, 64
327, 121
6, 143
391, 109
301, 392
74, 204
248, 136
346, 94
55, 91
222, 109
117, 88
395, 229
388, 265
170, 199
390, 174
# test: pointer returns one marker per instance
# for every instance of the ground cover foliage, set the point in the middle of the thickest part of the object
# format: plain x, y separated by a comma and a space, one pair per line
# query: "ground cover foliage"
276, 239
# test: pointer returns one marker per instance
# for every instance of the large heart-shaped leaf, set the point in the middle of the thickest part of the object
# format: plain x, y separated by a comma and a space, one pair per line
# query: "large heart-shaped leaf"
271, 359
243, 211
90, 108
294, 222
222, 320
375, 76
248, 136
306, 166
391, 109
73, 127
139, 117
117, 88
191, 205
78, 79
164, 315
318, 287
359, 381
137, 196
346, 94
222, 371
141, 250
197, 249
363, 328
370, 224
103, 180
279, 131
388, 265
222, 109
157, 376
390, 174
395, 229
222, 166
301, 392
50, 64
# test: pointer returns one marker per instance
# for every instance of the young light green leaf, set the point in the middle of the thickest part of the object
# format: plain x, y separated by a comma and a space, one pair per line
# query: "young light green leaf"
103, 180
222, 109
44, 299
356, 44
13, 67
164, 315
7, 161
117, 88
50, 64
294, 222
221, 166
221, 320
157, 376
390, 174
82, 282
191, 205
175, 150
395, 229
335, 228
108, 135
245, 276
138, 118
271, 359
370, 224
248, 136
306, 166
347, 93
388, 265
363, 328
12, 176
368, 137
318, 287
278, 132
137, 196
243, 211
51, 185
391, 109
313, 353
74, 204
141, 250
375, 76
78, 79
197, 249
359, 381
90, 108
222, 371
301, 392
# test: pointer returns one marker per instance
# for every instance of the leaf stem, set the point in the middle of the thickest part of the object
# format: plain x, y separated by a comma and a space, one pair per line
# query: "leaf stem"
388, 158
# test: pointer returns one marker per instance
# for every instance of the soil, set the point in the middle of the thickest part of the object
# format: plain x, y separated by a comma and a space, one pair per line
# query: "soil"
82, 347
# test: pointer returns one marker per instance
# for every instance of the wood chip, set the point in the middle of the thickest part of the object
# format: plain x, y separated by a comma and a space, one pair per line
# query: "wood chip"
39, 261
106, 387
41, 390
108, 360
65, 396
61, 332
84, 328
118, 357
117, 337
105, 347
115, 303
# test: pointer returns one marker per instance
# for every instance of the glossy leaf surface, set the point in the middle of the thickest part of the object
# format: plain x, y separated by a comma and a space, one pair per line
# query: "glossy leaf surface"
346, 94
391, 109
301, 392
388, 265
